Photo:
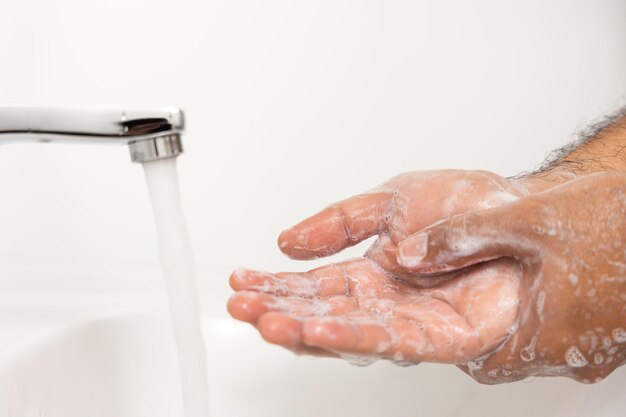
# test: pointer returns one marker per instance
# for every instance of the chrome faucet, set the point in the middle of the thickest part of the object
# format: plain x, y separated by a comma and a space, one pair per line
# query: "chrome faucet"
150, 133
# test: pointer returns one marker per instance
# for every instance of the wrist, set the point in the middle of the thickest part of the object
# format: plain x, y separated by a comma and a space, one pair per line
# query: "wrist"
539, 182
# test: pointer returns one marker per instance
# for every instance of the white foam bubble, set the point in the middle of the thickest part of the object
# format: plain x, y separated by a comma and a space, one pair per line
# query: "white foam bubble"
527, 353
475, 365
358, 360
598, 358
619, 335
575, 358
573, 279
541, 299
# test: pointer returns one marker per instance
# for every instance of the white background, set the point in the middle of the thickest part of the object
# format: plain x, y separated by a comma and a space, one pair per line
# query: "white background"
290, 106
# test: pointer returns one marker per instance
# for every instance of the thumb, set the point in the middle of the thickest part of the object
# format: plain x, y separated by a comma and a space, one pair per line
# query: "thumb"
468, 239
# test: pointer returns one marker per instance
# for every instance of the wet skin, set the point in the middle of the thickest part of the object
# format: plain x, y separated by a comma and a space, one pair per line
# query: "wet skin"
356, 308
372, 308
498, 316
571, 245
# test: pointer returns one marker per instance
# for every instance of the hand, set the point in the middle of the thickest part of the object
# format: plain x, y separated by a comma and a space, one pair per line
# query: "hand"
570, 243
393, 211
355, 310
469, 314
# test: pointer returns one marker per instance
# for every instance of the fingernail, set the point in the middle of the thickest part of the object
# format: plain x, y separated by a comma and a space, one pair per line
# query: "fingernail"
411, 252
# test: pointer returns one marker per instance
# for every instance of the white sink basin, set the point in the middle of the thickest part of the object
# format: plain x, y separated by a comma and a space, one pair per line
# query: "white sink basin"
77, 355
122, 365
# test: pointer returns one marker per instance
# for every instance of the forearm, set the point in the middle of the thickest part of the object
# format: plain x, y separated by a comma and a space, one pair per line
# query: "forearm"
600, 148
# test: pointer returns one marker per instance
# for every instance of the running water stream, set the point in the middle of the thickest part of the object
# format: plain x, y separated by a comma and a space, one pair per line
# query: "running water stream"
179, 270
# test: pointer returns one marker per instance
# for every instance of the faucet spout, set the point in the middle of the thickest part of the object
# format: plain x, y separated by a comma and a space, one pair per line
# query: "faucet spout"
150, 133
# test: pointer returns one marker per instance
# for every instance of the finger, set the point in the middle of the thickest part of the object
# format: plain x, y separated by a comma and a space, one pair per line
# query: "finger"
322, 282
384, 252
281, 329
285, 330
337, 227
249, 306
364, 335
470, 238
